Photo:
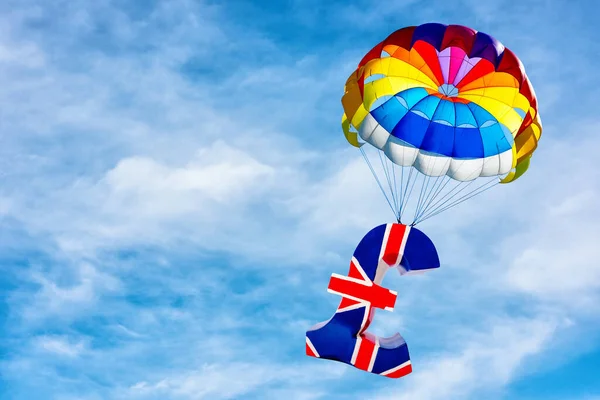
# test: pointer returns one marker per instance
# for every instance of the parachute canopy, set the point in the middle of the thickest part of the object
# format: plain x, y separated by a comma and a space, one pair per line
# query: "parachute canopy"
447, 101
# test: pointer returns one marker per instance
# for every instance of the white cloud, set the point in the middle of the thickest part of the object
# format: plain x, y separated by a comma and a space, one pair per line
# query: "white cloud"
553, 253
213, 381
234, 380
61, 346
572, 205
158, 159
59, 300
559, 264
485, 360
230, 177
22, 55
346, 200
208, 199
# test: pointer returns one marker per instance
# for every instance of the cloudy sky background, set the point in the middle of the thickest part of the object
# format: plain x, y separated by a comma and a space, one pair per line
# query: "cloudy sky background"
175, 192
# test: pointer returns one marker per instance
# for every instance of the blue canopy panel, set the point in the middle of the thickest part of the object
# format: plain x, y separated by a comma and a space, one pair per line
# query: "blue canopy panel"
442, 127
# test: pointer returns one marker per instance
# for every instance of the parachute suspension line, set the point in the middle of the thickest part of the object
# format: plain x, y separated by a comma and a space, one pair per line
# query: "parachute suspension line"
423, 186
435, 194
472, 194
391, 168
407, 197
386, 171
439, 192
440, 208
445, 199
396, 191
443, 183
429, 206
450, 195
398, 174
425, 189
405, 185
421, 203
420, 195
430, 195
402, 191
480, 189
441, 205
437, 206
426, 178
377, 179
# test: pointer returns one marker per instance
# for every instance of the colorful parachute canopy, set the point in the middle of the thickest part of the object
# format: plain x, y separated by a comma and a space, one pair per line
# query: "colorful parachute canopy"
446, 100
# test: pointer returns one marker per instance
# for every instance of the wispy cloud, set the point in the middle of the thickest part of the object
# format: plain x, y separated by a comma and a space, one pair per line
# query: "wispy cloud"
489, 359
215, 381
53, 299
60, 346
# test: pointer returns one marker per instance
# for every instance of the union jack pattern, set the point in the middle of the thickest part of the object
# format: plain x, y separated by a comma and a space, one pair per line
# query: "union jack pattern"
344, 338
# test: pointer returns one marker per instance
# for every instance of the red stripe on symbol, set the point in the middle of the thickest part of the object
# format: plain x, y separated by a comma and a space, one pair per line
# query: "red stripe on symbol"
394, 243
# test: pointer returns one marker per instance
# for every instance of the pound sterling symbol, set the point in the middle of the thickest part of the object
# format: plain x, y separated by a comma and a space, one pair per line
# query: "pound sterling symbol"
344, 337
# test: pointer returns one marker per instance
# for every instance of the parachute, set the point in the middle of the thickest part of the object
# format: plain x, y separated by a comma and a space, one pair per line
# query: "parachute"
442, 105
446, 113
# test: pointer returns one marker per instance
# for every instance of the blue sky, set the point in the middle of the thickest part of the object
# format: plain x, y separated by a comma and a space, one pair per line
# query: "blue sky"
175, 192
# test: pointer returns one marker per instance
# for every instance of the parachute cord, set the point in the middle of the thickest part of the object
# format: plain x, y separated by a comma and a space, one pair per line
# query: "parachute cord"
430, 195
394, 186
433, 197
439, 190
405, 185
431, 206
397, 204
428, 191
409, 192
432, 159
444, 182
386, 171
438, 206
460, 200
426, 179
465, 197
452, 193
377, 179
423, 187
421, 198
389, 165
401, 191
